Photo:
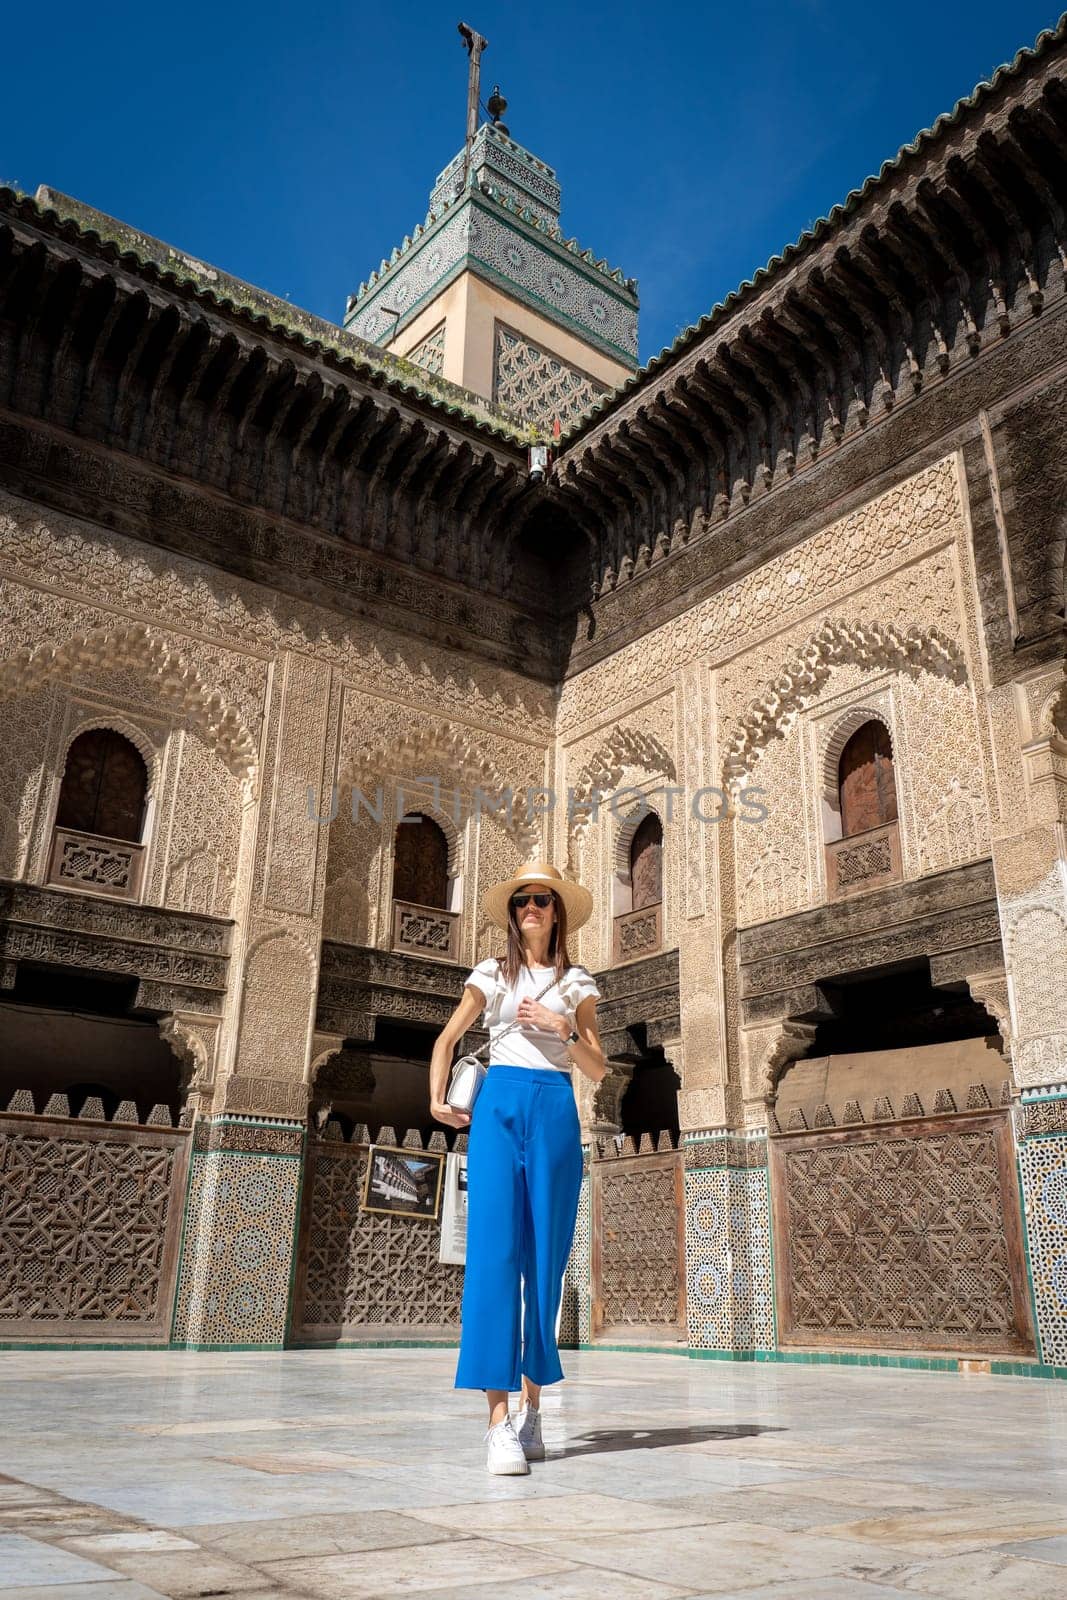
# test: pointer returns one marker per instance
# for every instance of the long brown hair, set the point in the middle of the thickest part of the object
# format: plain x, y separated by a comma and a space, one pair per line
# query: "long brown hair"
513, 962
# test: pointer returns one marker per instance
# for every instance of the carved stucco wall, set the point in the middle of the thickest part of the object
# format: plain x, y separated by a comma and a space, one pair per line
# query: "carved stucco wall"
876, 611
457, 772
241, 700
248, 697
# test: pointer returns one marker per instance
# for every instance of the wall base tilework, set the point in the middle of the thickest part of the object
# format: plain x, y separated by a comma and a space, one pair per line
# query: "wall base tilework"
1043, 1178
729, 1272
574, 1322
237, 1250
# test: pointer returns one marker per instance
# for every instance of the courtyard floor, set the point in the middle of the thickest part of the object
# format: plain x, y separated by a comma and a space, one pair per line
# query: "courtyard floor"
352, 1473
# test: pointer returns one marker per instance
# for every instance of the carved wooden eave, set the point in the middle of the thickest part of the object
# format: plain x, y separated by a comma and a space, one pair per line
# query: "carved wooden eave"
900, 296
230, 426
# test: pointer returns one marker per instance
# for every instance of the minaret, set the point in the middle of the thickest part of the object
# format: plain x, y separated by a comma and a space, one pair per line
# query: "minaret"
488, 293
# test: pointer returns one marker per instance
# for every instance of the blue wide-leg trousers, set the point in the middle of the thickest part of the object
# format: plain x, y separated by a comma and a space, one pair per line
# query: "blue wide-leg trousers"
524, 1174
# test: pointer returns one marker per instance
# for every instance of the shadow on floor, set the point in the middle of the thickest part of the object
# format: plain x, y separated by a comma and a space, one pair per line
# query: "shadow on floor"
607, 1440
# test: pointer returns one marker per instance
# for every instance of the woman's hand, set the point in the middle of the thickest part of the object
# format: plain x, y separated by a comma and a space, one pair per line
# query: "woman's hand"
532, 1014
441, 1111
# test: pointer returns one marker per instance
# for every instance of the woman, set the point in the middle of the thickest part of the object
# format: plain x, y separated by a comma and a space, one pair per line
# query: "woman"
524, 1153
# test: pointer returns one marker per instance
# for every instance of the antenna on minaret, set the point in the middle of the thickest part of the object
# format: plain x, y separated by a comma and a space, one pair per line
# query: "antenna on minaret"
475, 45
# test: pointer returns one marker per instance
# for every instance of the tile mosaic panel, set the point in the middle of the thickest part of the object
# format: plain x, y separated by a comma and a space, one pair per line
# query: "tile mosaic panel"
1043, 1169
237, 1252
730, 1288
527, 264
495, 158
574, 1325
546, 277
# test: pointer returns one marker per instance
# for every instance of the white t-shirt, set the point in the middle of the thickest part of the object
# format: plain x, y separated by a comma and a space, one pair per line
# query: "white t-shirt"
526, 1046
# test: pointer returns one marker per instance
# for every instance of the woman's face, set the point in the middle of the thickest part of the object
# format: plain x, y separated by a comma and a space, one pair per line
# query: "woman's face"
532, 918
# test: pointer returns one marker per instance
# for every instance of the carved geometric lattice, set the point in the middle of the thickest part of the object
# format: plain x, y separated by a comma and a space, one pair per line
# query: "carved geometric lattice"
637, 933
430, 354
79, 860
85, 1225
536, 386
364, 1270
423, 931
638, 1225
869, 858
899, 1241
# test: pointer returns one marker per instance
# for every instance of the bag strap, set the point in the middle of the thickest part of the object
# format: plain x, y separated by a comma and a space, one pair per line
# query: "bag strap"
488, 1046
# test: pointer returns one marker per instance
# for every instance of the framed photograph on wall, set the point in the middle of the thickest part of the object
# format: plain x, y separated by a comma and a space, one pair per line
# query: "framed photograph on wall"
405, 1183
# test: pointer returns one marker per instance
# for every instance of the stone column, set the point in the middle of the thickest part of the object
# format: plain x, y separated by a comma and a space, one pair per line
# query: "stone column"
729, 1261
729, 1278
1030, 863
238, 1249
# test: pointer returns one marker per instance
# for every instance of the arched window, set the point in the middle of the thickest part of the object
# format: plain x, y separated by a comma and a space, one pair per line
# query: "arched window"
105, 785
420, 885
646, 862
865, 782
421, 871
638, 923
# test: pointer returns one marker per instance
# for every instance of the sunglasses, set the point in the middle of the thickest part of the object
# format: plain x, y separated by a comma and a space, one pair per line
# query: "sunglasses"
542, 900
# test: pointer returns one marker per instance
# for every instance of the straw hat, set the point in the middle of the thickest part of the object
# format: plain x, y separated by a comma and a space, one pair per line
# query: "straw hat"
535, 875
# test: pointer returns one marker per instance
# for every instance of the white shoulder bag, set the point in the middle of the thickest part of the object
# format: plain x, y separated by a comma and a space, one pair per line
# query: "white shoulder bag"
468, 1073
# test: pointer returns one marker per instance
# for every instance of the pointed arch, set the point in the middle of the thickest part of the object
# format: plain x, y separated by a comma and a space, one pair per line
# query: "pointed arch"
603, 771
458, 753
867, 644
176, 681
150, 753
851, 722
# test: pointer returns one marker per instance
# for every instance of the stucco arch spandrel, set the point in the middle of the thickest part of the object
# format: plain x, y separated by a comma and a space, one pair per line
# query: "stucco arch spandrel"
451, 754
603, 772
277, 992
176, 681
851, 722
876, 645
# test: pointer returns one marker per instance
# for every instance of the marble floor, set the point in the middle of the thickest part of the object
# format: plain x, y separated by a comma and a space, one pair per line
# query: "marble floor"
362, 1474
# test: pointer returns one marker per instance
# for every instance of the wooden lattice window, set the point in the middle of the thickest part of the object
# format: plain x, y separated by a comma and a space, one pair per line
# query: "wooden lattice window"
646, 862
105, 785
420, 873
866, 784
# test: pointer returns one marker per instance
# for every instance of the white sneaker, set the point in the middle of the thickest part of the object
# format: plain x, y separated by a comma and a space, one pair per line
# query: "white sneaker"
505, 1453
528, 1433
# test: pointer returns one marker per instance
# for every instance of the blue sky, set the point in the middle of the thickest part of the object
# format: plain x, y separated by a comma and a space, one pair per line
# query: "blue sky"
295, 147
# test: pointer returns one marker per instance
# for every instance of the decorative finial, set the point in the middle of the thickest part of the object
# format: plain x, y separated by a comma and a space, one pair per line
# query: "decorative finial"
496, 105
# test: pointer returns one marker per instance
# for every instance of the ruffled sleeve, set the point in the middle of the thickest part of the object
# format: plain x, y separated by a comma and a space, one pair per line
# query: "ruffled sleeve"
486, 977
577, 986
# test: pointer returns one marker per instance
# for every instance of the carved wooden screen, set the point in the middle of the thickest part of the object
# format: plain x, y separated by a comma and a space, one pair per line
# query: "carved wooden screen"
646, 863
362, 1272
865, 779
421, 870
638, 1246
104, 786
90, 1218
905, 1236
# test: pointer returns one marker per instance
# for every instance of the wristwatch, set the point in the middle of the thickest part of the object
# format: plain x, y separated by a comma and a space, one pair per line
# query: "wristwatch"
572, 1037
